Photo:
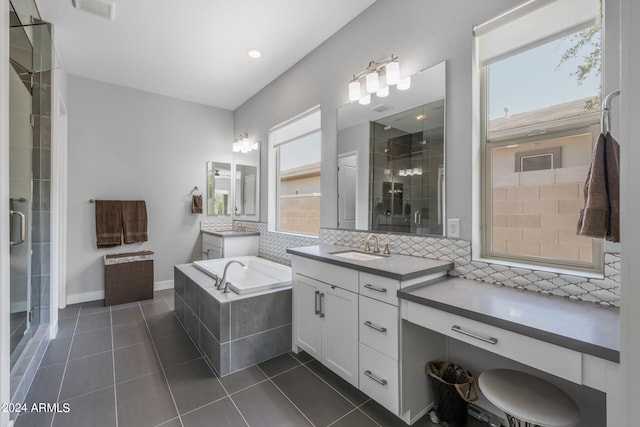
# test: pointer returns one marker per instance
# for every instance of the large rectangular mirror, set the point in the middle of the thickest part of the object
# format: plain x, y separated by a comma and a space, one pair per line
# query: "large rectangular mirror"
391, 165
218, 188
246, 185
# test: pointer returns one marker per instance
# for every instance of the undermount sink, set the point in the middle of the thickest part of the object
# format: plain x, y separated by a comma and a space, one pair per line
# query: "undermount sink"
357, 255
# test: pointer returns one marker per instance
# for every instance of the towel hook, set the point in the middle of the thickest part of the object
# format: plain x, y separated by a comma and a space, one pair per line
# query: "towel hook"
194, 189
605, 119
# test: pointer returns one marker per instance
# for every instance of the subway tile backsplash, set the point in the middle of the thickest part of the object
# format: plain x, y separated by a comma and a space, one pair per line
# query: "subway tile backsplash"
605, 291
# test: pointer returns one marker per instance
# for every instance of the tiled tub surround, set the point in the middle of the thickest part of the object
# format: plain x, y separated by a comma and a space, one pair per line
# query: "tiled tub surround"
605, 291
233, 331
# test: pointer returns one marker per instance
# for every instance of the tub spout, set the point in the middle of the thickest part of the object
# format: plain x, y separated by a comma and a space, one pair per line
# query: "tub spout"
223, 281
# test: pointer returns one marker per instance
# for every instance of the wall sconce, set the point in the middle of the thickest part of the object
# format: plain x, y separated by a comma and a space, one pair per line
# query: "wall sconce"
243, 144
378, 77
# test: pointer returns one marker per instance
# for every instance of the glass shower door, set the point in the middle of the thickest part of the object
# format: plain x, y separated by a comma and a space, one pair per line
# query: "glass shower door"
20, 184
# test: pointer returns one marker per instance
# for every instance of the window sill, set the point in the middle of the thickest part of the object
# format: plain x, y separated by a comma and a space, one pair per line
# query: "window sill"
557, 270
289, 233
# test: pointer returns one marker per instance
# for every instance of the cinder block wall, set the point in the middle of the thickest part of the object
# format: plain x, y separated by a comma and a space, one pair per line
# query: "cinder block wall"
536, 213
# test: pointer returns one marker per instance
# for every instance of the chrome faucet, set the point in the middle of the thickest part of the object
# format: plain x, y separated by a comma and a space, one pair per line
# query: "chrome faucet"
376, 247
223, 281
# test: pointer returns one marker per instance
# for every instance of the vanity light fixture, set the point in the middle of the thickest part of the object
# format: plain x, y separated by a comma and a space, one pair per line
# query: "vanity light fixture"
378, 77
404, 84
216, 174
243, 144
365, 100
383, 92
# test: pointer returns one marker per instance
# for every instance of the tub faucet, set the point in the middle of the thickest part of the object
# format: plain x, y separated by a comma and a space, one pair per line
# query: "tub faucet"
376, 248
223, 281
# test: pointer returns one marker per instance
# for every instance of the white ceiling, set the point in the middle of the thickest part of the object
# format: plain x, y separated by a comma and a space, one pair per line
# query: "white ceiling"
195, 50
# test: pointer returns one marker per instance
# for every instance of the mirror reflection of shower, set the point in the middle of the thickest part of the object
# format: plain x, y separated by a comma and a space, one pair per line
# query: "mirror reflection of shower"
407, 155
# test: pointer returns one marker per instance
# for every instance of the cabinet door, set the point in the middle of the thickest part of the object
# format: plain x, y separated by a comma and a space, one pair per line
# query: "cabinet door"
340, 309
307, 322
211, 252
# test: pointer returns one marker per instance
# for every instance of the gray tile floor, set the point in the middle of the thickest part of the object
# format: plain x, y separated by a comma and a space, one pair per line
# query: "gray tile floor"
134, 365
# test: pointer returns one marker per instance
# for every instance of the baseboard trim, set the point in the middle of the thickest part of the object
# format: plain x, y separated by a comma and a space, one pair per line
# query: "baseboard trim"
84, 297
98, 295
160, 286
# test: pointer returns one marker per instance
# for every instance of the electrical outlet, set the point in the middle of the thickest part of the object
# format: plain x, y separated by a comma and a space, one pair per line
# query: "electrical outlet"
453, 228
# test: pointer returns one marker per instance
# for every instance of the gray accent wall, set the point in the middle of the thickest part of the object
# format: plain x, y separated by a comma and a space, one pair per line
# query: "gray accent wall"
422, 33
126, 144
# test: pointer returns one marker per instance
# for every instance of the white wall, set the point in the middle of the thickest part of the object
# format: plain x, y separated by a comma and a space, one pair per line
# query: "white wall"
422, 33
4, 208
127, 144
629, 111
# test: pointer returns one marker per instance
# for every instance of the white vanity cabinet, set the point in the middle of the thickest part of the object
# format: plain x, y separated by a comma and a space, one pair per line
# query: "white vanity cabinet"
347, 316
326, 316
225, 244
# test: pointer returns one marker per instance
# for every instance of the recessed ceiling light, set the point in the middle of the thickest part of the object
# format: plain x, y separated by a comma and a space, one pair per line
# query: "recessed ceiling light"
254, 53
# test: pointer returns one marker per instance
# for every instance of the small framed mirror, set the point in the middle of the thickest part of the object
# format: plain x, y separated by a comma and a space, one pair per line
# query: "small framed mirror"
218, 189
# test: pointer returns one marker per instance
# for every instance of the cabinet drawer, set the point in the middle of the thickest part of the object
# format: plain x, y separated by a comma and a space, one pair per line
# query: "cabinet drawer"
379, 326
551, 358
335, 275
380, 288
212, 240
379, 378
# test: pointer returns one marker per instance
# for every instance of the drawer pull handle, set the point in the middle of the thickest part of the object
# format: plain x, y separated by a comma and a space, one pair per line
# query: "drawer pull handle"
375, 377
317, 303
375, 288
489, 340
374, 326
321, 305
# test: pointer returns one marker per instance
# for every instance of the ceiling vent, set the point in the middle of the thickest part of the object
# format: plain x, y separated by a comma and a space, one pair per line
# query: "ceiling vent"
101, 8
381, 108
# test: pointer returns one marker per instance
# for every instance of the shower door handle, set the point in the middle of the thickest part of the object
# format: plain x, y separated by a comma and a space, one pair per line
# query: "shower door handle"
23, 227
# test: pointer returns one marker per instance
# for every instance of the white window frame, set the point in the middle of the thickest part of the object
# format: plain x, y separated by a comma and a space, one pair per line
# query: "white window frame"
296, 127
501, 30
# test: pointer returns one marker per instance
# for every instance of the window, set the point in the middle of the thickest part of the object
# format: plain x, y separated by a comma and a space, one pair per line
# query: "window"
294, 164
540, 125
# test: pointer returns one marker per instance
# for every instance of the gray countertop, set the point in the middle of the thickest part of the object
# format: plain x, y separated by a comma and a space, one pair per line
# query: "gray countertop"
394, 266
581, 326
231, 233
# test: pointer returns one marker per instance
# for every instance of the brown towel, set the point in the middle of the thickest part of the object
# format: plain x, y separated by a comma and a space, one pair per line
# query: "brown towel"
134, 221
600, 217
108, 223
196, 204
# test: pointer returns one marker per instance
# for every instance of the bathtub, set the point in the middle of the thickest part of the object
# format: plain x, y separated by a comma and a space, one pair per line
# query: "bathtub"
236, 330
258, 274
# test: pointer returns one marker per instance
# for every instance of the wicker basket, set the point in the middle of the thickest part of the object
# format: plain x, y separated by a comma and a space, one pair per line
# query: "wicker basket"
128, 277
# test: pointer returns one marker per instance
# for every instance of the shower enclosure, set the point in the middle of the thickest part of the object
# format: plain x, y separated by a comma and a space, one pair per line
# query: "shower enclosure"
407, 154
30, 185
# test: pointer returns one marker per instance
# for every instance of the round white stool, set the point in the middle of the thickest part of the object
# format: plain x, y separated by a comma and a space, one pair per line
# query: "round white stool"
528, 401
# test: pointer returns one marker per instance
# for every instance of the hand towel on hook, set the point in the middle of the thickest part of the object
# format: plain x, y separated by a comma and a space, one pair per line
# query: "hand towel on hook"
196, 203
600, 216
